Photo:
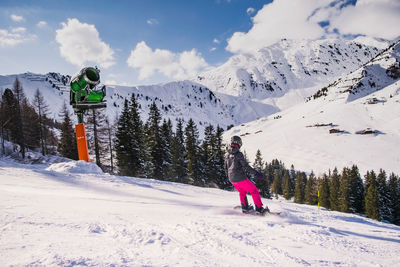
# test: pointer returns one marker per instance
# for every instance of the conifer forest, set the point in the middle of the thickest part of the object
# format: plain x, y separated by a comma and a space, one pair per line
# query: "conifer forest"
172, 151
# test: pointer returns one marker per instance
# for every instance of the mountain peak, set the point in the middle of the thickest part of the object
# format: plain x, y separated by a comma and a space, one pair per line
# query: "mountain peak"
287, 65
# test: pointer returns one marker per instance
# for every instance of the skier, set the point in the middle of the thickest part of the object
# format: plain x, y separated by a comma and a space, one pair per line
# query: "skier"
236, 167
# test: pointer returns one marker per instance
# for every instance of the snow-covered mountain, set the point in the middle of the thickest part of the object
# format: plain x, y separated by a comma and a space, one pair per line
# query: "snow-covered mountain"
289, 65
280, 86
72, 214
181, 99
355, 120
243, 89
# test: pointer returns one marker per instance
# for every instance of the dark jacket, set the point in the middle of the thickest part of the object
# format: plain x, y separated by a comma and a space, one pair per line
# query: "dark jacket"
236, 166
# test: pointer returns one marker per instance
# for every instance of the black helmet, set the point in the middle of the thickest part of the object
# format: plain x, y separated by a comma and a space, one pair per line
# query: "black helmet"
236, 140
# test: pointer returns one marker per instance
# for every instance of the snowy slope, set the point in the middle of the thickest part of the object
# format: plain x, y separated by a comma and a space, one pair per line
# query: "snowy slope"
325, 132
72, 214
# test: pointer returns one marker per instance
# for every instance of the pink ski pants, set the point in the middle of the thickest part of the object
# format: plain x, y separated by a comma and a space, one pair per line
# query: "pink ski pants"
245, 187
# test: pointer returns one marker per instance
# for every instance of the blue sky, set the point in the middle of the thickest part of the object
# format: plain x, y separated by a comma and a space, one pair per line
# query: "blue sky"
172, 25
149, 41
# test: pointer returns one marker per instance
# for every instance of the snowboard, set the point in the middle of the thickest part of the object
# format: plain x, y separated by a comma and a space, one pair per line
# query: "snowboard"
254, 213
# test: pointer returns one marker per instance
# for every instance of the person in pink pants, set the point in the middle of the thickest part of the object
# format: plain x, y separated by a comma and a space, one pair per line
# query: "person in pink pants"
237, 168
244, 187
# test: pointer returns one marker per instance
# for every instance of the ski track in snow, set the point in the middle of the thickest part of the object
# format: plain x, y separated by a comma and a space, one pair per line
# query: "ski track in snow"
55, 217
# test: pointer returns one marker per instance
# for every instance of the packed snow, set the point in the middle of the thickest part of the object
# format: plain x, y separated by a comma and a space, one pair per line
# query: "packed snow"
71, 214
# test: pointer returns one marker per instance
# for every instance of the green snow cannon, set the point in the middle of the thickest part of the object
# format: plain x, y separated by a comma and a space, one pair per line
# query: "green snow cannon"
83, 87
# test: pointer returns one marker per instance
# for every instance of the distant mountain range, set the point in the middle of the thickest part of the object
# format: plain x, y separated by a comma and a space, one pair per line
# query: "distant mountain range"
285, 90
245, 88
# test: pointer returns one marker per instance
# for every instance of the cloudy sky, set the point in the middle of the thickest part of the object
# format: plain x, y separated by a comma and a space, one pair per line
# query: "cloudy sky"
149, 41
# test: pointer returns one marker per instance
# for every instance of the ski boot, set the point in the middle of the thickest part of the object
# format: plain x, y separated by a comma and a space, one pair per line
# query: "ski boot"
246, 208
261, 210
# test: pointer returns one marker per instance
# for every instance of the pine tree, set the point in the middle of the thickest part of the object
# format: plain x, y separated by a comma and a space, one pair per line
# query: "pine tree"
192, 148
178, 154
219, 152
356, 193
394, 198
8, 112
206, 158
261, 184
154, 144
19, 137
372, 197
136, 142
287, 194
277, 184
67, 146
258, 162
42, 109
311, 191
2, 121
166, 136
31, 126
383, 196
110, 133
292, 180
344, 191
96, 133
299, 192
334, 190
123, 148
129, 141
324, 192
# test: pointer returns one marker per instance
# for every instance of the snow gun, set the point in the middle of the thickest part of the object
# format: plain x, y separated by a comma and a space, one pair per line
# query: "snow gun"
85, 95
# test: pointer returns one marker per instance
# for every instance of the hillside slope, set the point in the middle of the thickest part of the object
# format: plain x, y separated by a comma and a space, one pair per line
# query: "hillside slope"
355, 120
72, 214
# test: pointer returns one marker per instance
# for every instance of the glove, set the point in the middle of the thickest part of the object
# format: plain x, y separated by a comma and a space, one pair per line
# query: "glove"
259, 175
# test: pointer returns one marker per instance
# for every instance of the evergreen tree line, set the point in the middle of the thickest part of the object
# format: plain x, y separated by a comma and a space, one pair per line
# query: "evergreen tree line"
153, 149
378, 196
25, 124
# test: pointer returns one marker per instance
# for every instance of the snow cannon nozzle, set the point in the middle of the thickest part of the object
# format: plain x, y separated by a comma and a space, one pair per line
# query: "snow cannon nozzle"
84, 92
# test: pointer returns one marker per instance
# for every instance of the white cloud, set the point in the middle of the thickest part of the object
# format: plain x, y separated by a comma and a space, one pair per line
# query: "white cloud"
314, 19
250, 11
20, 30
41, 24
14, 37
371, 18
17, 18
280, 19
173, 65
216, 41
212, 49
80, 44
152, 21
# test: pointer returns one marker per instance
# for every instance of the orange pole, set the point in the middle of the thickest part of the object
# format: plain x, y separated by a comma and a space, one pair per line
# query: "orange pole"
81, 142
